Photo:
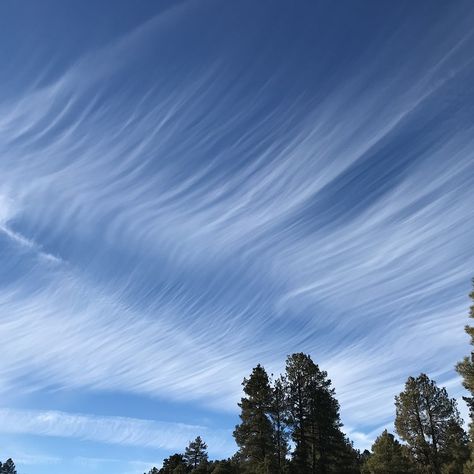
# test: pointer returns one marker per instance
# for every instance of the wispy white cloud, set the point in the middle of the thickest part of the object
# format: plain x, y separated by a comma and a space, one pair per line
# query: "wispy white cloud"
28, 459
29, 244
112, 430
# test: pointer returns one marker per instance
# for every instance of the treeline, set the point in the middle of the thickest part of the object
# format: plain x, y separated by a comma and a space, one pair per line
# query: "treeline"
291, 425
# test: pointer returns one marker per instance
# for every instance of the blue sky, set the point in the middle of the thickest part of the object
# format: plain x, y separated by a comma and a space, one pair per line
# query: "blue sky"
189, 188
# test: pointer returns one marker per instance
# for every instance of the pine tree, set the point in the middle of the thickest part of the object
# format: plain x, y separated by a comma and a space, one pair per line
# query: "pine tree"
8, 467
466, 370
425, 416
454, 451
299, 370
388, 457
313, 417
173, 465
180, 469
364, 457
196, 454
347, 460
254, 435
279, 415
223, 467
153, 470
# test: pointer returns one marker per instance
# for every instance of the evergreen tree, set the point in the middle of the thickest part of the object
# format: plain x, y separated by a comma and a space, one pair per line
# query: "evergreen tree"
8, 467
254, 435
223, 467
153, 470
425, 417
313, 418
196, 454
279, 415
173, 465
299, 371
347, 460
466, 370
364, 457
388, 457
454, 452
180, 469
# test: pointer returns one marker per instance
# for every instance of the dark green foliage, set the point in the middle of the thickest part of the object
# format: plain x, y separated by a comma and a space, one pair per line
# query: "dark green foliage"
347, 459
174, 464
279, 418
255, 434
428, 420
181, 469
223, 467
154, 470
454, 451
202, 468
364, 457
8, 467
300, 373
388, 457
196, 453
313, 418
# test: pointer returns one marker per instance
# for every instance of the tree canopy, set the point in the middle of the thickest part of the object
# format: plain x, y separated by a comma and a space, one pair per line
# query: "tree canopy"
388, 457
428, 420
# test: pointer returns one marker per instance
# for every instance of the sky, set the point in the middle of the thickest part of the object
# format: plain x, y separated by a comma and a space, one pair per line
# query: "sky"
190, 188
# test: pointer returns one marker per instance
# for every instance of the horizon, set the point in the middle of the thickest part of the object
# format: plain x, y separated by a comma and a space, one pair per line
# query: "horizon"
191, 188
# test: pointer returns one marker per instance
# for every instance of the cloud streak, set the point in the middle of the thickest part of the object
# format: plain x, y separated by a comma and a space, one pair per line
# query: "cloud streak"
112, 430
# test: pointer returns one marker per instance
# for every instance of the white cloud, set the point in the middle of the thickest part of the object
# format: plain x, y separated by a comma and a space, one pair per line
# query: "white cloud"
112, 430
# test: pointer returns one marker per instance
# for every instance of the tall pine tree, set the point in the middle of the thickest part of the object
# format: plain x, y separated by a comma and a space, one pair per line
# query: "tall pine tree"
196, 453
255, 435
427, 419
313, 417
279, 417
